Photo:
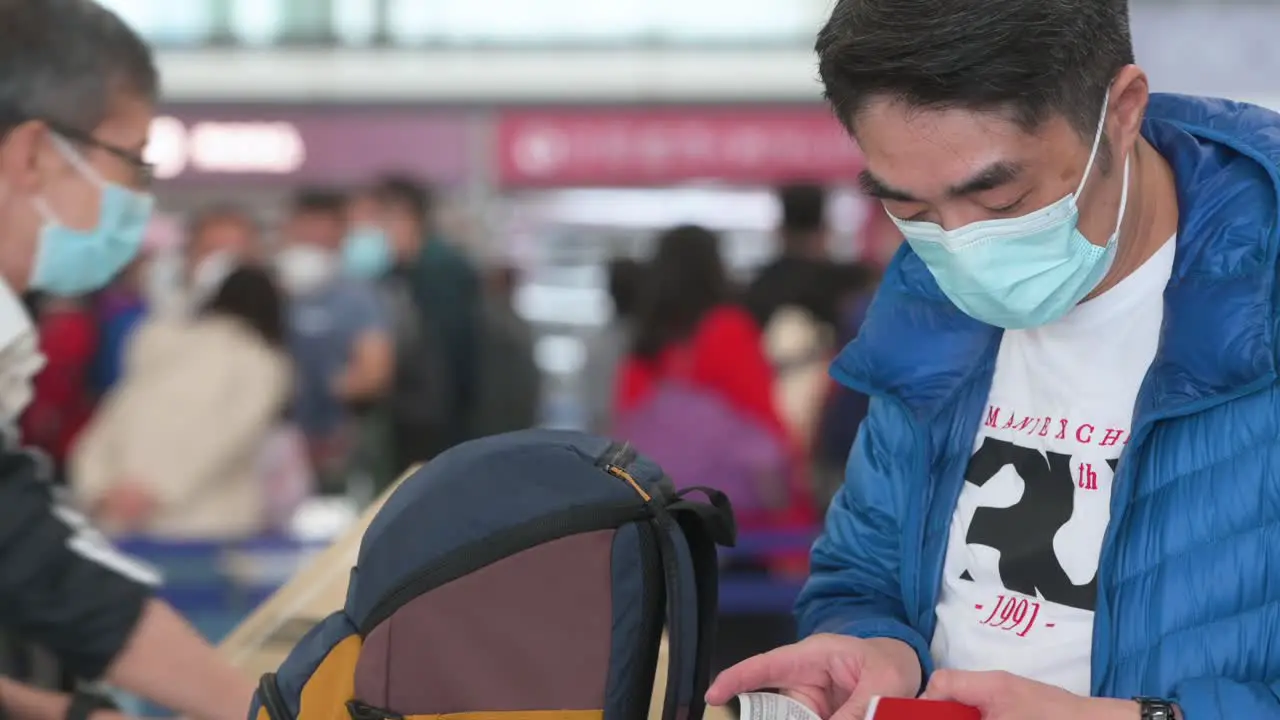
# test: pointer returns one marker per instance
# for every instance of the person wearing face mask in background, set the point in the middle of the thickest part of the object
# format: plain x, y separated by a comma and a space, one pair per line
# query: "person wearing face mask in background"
220, 238
77, 94
341, 342
1063, 500
193, 473
446, 289
417, 408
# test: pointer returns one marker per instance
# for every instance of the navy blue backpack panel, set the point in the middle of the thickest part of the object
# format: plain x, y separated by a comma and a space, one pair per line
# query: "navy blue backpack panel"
523, 576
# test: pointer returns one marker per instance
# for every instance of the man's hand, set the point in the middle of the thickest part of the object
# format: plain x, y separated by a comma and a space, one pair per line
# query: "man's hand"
370, 371
168, 662
834, 675
125, 508
1003, 696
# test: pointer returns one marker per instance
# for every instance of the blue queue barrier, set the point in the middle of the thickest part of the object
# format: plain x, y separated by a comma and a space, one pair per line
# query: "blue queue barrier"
216, 585
760, 593
757, 543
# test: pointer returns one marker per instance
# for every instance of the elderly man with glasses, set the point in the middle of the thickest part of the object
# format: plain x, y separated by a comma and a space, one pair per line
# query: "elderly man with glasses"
77, 94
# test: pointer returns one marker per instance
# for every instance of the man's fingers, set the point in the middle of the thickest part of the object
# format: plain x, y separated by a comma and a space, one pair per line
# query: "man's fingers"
806, 698
856, 708
773, 669
943, 685
966, 688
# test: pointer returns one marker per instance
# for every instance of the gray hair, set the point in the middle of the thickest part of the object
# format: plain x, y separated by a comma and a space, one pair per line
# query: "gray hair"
66, 61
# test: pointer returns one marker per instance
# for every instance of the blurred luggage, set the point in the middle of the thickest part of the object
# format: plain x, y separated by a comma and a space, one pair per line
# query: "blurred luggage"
701, 439
531, 572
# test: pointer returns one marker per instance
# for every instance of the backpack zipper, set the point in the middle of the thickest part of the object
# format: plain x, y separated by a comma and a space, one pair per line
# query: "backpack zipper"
626, 477
365, 711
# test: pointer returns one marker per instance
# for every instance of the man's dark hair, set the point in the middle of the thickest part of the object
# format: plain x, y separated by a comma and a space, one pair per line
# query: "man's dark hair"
65, 61
804, 208
1031, 57
320, 201
413, 196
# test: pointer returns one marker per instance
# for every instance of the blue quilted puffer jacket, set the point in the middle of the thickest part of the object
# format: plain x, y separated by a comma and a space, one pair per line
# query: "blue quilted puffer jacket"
1189, 579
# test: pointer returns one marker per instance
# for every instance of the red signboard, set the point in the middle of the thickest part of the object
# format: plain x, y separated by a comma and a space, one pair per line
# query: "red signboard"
663, 146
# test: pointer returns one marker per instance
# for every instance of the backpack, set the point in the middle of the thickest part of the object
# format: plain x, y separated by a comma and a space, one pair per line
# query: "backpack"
509, 393
527, 575
699, 437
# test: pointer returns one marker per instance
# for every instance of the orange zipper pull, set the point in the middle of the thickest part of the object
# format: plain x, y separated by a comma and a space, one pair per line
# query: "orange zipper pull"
621, 474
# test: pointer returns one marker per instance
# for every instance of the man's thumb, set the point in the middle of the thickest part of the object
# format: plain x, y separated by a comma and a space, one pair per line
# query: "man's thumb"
856, 707
771, 669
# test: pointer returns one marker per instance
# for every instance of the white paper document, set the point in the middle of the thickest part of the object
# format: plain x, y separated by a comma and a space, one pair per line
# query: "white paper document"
771, 706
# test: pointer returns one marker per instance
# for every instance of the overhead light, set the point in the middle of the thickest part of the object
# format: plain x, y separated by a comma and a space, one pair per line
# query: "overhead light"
225, 147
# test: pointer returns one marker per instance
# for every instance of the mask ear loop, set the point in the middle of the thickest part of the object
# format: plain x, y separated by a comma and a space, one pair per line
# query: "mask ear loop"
1097, 143
1124, 199
73, 156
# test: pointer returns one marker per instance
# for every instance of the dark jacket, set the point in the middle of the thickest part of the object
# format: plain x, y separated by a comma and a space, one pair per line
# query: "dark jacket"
510, 394
446, 287
62, 585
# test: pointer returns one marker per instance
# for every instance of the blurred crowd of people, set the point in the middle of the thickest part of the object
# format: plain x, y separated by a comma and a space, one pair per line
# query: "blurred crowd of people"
324, 356
726, 385
330, 353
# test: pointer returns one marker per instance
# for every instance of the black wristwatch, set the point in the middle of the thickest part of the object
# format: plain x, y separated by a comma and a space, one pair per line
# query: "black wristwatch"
85, 703
1155, 708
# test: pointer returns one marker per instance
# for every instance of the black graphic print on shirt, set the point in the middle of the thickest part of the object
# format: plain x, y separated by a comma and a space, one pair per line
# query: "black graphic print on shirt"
1023, 533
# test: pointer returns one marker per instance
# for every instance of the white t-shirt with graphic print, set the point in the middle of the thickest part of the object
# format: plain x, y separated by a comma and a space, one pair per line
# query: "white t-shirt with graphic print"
1020, 577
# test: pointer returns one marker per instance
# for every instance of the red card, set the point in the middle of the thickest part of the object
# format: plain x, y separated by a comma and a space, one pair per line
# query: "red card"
904, 709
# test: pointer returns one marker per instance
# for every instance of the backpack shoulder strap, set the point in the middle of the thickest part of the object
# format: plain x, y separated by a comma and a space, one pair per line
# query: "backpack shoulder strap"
704, 526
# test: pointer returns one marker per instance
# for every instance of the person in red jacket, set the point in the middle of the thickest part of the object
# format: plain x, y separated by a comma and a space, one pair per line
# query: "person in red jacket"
688, 323
62, 400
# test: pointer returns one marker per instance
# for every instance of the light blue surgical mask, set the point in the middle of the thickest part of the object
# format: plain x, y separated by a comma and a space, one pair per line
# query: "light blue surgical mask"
366, 253
1019, 272
72, 262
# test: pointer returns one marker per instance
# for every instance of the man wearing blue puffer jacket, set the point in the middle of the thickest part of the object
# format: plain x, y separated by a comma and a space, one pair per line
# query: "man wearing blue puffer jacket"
1065, 499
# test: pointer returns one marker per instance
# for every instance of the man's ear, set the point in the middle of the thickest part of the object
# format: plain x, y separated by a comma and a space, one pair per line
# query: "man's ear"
20, 151
1130, 92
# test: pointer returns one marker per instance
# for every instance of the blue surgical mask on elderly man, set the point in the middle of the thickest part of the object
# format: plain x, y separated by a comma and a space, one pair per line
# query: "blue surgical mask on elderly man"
72, 262
1024, 271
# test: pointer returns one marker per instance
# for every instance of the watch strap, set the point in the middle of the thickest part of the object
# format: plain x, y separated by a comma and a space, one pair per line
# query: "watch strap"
1155, 708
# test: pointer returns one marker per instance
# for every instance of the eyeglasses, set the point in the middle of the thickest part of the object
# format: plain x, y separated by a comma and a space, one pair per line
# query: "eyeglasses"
144, 172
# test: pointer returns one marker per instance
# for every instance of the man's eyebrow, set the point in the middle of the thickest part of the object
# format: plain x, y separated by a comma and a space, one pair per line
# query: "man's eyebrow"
989, 178
873, 186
